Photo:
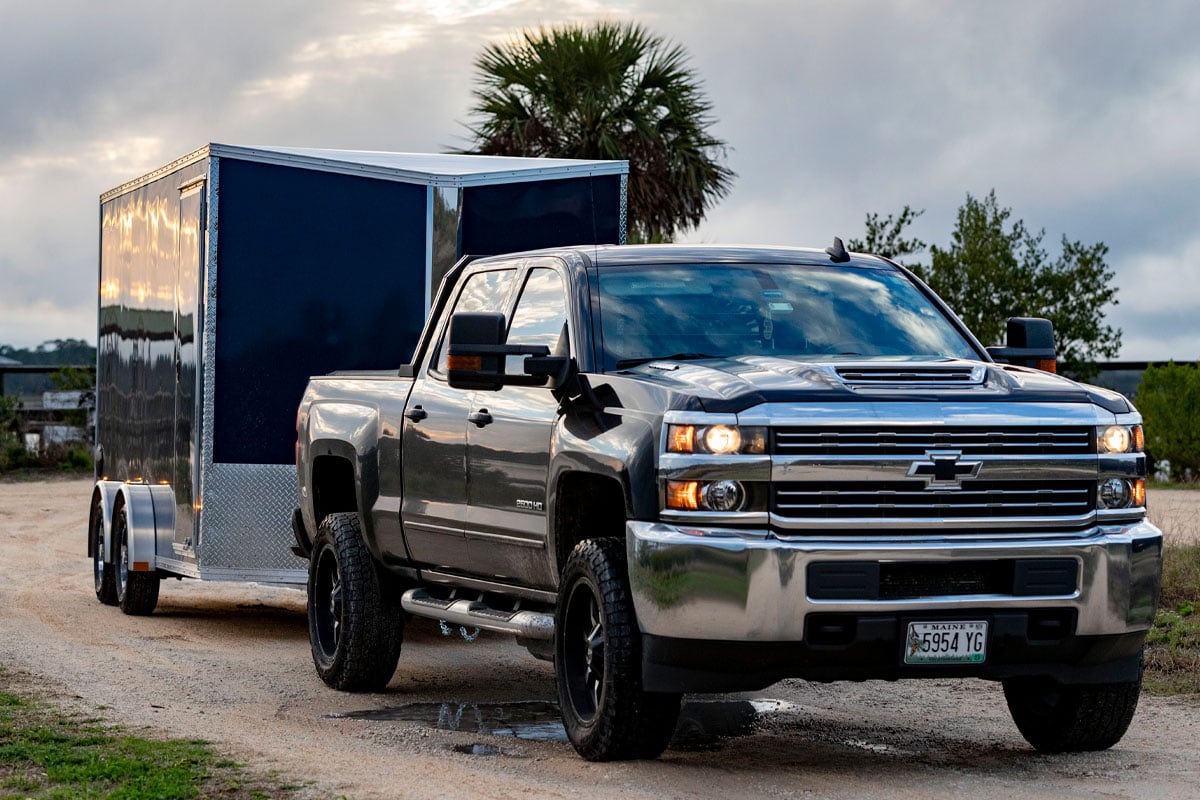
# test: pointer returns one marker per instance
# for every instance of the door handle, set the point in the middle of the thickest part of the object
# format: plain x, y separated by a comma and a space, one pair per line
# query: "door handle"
416, 413
480, 417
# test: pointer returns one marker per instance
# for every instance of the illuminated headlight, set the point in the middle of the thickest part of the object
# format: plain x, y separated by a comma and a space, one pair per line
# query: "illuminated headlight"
1121, 439
716, 439
706, 496
1122, 493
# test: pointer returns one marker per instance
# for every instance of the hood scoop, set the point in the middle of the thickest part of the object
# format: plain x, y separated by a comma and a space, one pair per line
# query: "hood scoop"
912, 375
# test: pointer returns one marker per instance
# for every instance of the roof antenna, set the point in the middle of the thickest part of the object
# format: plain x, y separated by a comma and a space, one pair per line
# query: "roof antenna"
837, 253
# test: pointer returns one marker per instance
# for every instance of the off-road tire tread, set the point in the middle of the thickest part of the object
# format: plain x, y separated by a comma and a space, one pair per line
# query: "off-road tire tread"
630, 723
141, 588
106, 592
373, 619
1086, 717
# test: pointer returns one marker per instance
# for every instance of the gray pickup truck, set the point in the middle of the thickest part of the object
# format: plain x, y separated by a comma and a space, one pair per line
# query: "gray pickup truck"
682, 469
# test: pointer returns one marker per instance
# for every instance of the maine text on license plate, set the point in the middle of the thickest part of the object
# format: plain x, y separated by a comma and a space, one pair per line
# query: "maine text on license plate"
946, 643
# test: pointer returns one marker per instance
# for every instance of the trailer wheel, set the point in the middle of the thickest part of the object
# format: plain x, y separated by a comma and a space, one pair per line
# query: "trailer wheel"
597, 659
1058, 718
355, 620
137, 592
105, 574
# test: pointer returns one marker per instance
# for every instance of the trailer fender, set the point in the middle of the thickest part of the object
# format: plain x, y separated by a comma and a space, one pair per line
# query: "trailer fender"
150, 513
106, 492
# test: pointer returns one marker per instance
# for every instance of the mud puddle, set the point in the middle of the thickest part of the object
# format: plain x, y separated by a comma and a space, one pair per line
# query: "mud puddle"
703, 725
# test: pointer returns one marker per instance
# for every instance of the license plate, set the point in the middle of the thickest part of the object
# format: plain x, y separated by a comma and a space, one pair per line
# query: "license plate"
946, 643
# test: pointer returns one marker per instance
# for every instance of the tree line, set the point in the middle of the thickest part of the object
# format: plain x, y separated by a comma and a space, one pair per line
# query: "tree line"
75, 352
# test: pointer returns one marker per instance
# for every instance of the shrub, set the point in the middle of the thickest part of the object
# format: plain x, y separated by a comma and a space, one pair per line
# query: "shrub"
1169, 399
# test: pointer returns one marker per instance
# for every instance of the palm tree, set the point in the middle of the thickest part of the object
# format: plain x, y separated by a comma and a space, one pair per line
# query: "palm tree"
606, 91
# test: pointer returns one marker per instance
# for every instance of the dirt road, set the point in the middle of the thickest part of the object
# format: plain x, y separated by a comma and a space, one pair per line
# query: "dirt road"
230, 663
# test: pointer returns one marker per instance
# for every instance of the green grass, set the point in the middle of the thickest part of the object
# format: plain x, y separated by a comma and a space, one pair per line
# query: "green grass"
47, 752
1173, 646
1185, 485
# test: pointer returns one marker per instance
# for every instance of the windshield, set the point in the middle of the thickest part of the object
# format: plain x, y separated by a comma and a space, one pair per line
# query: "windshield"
799, 310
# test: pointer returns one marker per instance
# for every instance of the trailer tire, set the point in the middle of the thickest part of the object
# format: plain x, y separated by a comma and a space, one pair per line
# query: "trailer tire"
355, 620
598, 664
1058, 718
104, 573
137, 592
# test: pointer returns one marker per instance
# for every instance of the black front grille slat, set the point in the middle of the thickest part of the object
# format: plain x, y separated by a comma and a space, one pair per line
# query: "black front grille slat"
875, 441
912, 499
902, 375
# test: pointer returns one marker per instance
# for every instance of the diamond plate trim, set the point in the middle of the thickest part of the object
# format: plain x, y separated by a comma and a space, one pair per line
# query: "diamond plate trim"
624, 206
209, 348
247, 518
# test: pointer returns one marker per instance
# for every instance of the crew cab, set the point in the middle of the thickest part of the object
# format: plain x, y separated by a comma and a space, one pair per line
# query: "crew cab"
679, 469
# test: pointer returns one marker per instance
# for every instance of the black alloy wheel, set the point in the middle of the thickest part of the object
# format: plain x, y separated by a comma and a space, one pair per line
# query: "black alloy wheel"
355, 620
607, 714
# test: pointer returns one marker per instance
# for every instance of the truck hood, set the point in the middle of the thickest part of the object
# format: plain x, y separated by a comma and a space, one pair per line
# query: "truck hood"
730, 385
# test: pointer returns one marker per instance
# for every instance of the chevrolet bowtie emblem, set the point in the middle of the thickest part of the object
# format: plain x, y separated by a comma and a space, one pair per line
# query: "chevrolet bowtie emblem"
944, 469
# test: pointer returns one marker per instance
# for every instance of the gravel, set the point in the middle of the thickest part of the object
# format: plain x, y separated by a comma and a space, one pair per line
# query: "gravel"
230, 663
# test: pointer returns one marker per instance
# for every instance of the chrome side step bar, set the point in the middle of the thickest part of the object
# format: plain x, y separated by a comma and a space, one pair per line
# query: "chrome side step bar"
473, 613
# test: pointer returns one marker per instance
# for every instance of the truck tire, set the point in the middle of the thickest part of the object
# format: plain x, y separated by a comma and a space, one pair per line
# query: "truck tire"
1059, 718
355, 620
598, 664
105, 574
137, 592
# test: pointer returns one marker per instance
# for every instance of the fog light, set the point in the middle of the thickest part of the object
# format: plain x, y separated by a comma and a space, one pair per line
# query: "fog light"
722, 496
1116, 493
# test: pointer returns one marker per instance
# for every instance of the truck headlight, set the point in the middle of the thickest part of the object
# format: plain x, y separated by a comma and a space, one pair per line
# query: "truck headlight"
1121, 439
716, 439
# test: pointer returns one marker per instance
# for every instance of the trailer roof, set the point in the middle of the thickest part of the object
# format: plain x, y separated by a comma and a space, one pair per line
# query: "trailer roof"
431, 169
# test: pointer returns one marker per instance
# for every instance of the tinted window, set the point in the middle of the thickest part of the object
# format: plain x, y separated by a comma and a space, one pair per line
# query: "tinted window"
540, 318
812, 312
483, 291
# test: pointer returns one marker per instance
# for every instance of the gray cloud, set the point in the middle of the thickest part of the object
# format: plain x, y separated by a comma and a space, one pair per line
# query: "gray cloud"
1082, 115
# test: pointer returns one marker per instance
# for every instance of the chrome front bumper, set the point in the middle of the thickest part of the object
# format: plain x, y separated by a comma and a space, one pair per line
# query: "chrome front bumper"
701, 583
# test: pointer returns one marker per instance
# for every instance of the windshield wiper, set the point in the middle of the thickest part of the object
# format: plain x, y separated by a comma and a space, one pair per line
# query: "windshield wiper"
625, 363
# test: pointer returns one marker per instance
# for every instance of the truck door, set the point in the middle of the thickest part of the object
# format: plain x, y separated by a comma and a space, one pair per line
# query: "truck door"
508, 446
433, 449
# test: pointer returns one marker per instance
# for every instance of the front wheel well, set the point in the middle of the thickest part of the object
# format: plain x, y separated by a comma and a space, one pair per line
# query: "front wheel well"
587, 506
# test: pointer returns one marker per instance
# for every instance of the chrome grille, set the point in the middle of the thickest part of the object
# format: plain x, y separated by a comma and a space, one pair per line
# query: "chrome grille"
915, 441
911, 499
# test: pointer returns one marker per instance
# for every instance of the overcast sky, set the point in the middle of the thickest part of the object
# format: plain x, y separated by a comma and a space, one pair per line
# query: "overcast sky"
1083, 116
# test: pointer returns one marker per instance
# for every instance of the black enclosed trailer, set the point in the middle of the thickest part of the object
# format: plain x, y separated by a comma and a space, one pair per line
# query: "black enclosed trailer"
231, 275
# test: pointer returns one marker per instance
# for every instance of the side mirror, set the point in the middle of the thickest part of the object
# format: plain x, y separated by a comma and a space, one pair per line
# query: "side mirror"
477, 356
1029, 343
474, 361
